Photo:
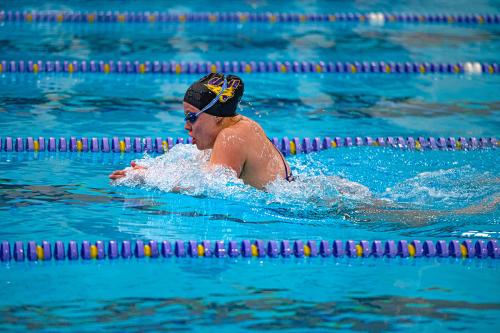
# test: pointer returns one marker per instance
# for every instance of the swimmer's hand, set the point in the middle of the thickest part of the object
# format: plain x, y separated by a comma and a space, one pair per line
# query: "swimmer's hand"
117, 174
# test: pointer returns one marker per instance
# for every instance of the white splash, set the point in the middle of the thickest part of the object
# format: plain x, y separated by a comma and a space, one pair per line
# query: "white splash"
184, 169
315, 192
445, 186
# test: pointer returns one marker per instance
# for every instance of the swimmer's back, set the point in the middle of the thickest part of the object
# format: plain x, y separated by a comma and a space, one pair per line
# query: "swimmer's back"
263, 162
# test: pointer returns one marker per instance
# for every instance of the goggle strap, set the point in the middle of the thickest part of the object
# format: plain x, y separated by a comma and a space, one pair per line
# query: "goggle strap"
212, 103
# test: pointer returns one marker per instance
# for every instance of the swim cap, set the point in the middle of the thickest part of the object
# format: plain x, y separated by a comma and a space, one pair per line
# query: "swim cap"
203, 91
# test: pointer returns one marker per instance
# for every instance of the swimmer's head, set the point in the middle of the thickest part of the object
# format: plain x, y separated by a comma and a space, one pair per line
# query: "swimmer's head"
203, 92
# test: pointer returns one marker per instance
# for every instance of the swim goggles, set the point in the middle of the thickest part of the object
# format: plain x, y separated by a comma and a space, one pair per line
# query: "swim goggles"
192, 117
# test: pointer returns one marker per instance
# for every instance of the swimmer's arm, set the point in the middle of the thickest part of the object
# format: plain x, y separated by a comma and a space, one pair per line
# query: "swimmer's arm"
229, 151
117, 174
139, 176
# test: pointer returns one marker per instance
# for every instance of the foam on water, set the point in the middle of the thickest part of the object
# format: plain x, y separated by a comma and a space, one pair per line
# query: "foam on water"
316, 190
445, 187
184, 169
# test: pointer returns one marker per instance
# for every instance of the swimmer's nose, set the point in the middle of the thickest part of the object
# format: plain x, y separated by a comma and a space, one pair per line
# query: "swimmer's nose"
187, 126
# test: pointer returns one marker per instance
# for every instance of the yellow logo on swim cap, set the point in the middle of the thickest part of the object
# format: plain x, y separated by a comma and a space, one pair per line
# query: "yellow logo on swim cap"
228, 93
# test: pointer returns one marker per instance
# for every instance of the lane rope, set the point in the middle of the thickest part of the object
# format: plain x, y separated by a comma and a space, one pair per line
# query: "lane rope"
377, 18
204, 67
112, 249
286, 145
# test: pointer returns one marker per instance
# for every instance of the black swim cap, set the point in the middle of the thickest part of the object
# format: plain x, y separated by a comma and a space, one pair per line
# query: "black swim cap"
203, 91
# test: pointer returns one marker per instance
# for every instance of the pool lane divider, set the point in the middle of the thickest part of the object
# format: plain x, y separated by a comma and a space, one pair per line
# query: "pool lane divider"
204, 67
100, 250
376, 18
287, 146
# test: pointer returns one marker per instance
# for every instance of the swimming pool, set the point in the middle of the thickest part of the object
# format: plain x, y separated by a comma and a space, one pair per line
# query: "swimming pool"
65, 195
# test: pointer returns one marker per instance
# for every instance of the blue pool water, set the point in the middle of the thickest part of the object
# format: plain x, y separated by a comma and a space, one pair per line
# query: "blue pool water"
226, 41
312, 105
347, 193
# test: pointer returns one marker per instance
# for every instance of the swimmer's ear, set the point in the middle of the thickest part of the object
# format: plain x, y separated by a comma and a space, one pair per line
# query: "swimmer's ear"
218, 120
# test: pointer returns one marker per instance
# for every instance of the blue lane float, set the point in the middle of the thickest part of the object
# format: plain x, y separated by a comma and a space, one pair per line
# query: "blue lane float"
204, 67
288, 146
100, 250
243, 17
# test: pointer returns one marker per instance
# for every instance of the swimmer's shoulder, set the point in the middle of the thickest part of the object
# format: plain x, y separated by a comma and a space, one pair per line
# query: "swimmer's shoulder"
247, 126
232, 135
245, 133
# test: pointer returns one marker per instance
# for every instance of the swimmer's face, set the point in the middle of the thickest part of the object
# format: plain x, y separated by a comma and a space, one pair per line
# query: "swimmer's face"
204, 130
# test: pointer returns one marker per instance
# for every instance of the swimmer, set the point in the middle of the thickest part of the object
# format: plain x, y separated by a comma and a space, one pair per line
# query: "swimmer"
240, 144
237, 142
